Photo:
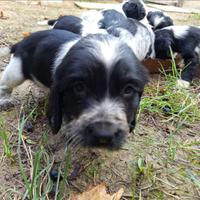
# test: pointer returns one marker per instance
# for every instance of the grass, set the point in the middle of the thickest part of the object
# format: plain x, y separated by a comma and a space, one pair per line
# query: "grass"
6, 146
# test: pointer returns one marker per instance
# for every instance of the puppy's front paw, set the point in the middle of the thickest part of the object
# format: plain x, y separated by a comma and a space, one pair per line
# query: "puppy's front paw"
5, 104
183, 84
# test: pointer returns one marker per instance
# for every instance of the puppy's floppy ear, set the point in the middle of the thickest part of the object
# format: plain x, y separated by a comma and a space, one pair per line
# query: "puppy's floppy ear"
134, 119
54, 110
141, 11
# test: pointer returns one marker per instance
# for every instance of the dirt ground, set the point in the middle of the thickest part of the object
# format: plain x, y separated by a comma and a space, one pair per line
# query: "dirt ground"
164, 177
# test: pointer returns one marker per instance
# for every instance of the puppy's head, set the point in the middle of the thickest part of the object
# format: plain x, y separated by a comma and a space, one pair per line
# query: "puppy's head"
159, 19
97, 88
134, 9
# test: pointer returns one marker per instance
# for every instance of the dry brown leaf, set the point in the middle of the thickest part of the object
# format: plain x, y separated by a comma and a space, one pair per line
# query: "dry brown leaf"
97, 192
172, 128
2, 16
26, 34
60, 15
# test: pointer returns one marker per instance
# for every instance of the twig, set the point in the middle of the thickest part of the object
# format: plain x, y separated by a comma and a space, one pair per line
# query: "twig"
166, 183
117, 174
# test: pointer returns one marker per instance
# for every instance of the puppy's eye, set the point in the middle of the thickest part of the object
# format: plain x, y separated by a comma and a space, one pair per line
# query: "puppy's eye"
79, 87
128, 90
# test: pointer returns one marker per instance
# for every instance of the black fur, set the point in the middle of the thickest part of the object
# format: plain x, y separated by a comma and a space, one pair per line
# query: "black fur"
110, 17
185, 45
134, 9
69, 23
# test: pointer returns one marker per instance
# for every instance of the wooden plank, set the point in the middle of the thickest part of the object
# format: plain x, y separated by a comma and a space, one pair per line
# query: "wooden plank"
163, 2
170, 8
95, 6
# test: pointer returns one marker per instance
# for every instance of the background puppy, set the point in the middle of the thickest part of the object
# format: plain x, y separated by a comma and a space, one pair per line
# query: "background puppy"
159, 19
134, 9
73, 24
184, 40
137, 36
95, 83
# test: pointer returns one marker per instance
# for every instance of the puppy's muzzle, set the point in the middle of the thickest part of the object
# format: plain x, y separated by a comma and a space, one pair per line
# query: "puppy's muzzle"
103, 131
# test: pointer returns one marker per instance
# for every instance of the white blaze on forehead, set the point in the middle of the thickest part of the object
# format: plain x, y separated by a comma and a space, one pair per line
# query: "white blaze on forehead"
63, 50
157, 20
108, 50
179, 31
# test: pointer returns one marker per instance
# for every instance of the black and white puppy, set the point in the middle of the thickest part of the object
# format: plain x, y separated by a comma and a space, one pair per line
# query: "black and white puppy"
136, 35
95, 82
134, 9
159, 19
184, 40
73, 24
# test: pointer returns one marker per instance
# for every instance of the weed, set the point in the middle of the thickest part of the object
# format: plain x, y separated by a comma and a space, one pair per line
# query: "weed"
6, 146
197, 16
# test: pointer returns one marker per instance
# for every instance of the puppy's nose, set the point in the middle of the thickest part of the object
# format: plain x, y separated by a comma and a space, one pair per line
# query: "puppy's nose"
102, 131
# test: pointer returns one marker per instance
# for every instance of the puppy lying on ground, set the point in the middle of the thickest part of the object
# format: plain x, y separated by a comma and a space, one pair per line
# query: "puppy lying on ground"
95, 82
159, 19
184, 40
73, 24
136, 35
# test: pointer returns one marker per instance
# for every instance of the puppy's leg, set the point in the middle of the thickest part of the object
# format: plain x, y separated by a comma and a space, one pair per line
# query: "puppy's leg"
12, 77
192, 62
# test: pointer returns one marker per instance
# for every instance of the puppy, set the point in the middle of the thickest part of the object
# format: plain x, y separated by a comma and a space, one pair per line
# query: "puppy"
137, 36
184, 40
95, 82
73, 24
159, 19
134, 9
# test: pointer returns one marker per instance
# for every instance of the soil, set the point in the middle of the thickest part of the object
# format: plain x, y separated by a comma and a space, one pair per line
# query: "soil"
164, 177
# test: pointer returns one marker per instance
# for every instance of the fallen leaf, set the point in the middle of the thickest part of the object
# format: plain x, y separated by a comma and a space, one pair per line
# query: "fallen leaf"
29, 141
2, 16
172, 128
26, 34
77, 170
162, 91
60, 15
45, 17
97, 192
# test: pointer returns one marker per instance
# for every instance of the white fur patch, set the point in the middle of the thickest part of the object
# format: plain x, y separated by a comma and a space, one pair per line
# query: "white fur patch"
43, 23
90, 15
197, 49
13, 76
91, 28
63, 50
157, 20
183, 84
179, 31
54, 24
139, 43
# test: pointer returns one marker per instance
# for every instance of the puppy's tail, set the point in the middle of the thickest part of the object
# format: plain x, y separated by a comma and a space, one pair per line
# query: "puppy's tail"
47, 22
5, 51
8, 50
